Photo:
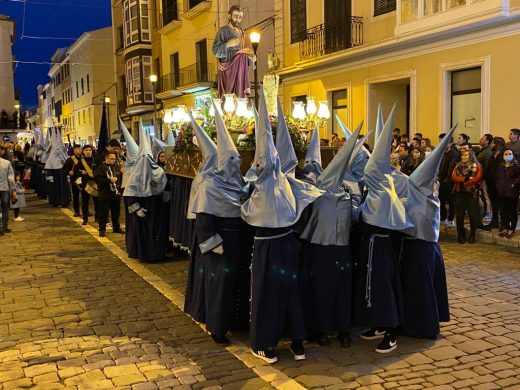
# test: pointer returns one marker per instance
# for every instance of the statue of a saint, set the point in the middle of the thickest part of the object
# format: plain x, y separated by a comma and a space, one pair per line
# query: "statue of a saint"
234, 54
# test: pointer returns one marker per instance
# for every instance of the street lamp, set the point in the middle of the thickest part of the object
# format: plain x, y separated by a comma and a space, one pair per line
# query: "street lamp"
107, 103
255, 40
153, 80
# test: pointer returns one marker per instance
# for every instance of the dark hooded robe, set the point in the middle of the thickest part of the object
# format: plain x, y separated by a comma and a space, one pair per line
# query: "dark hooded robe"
273, 208
218, 193
57, 180
423, 276
145, 236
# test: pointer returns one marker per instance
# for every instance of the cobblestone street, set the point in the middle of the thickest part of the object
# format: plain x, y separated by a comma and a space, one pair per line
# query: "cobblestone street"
75, 312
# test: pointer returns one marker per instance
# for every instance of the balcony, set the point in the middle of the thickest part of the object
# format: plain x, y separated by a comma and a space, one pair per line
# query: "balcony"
330, 38
418, 16
192, 78
169, 19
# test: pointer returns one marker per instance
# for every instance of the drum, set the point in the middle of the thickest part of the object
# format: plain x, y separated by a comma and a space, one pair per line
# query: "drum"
79, 183
91, 188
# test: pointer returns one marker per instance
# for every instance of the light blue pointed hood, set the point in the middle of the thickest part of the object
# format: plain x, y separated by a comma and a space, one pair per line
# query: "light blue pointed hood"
158, 146
251, 175
356, 169
170, 139
273, 204
380, 122
284, 145
312, 167
131, 152
220, 191
46, 145
208, 151
332, 177
422, 205
146, 178
57, 151
131, 145
382, 206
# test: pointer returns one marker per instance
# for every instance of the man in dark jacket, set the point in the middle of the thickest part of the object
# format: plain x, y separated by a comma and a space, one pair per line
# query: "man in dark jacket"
108, 178
86, 172
71, 168
446, 186
405, 160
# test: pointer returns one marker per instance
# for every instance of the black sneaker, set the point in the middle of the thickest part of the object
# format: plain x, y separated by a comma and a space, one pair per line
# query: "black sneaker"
84, 223
388, 344
7, 230
297, 350
222, 340
102, 234
268, 356
372, 334
76, 215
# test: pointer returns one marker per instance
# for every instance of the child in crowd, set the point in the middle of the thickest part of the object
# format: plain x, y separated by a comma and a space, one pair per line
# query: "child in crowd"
18, 202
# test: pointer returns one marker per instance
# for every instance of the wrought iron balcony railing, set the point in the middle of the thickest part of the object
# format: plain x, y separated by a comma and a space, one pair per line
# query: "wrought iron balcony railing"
195, 73
330, 38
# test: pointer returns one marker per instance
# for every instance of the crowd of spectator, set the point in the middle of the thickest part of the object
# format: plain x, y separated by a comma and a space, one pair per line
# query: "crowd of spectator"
474, 180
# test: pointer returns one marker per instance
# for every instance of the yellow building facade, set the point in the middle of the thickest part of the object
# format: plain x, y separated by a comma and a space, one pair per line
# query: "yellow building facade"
443, 62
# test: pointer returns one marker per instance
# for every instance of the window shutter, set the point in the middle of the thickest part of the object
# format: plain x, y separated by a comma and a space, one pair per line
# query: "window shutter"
383, 6
298, 20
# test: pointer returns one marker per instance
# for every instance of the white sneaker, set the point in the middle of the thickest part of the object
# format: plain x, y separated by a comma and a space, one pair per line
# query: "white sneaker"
19, 219
450, 224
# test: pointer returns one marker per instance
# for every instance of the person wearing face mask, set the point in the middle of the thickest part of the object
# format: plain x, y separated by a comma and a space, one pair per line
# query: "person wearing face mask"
507, 179
497, 148
467, 176
428, 150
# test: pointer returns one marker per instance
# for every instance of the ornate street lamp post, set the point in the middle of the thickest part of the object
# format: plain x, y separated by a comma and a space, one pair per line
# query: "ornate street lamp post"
255, 40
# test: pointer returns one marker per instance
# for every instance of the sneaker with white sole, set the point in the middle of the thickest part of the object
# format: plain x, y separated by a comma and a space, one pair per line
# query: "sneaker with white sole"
388, 344
19, 219
372, 334
297, 350
268, 356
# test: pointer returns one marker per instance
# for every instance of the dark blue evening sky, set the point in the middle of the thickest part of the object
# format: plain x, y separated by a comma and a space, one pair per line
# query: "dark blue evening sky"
48, 19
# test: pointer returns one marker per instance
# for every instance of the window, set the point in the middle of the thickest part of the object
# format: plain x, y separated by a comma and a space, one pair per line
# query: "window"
131, 21
83, 112
82, 87
298, 20
147, 71
466, 96
193, 3
169, 8
384, 6
175, 76
137, 78
339, 108
201, 48
88, 84
145, 21
77, 89
90, 115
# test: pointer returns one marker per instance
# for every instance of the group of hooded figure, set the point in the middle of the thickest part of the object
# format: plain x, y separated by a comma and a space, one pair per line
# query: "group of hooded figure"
274, 253
47, 156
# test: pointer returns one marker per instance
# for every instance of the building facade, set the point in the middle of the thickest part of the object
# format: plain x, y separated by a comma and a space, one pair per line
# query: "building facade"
444, 62
81, 79
7, 95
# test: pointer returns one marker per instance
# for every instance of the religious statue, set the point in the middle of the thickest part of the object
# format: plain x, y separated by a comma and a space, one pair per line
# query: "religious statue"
234, 55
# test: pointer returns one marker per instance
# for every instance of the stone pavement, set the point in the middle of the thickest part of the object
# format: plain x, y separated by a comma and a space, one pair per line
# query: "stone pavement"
73, 315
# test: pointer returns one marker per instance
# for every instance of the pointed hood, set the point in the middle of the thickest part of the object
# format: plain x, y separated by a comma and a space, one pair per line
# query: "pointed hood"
332, 176
208, 151
380, 122
422, 205
228, 158
146, 177
220, 191
57, 152
312, 168
251, 175
131, 145
46, 150
284, 145
158, 146
170, 139
382, 206
273, 204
